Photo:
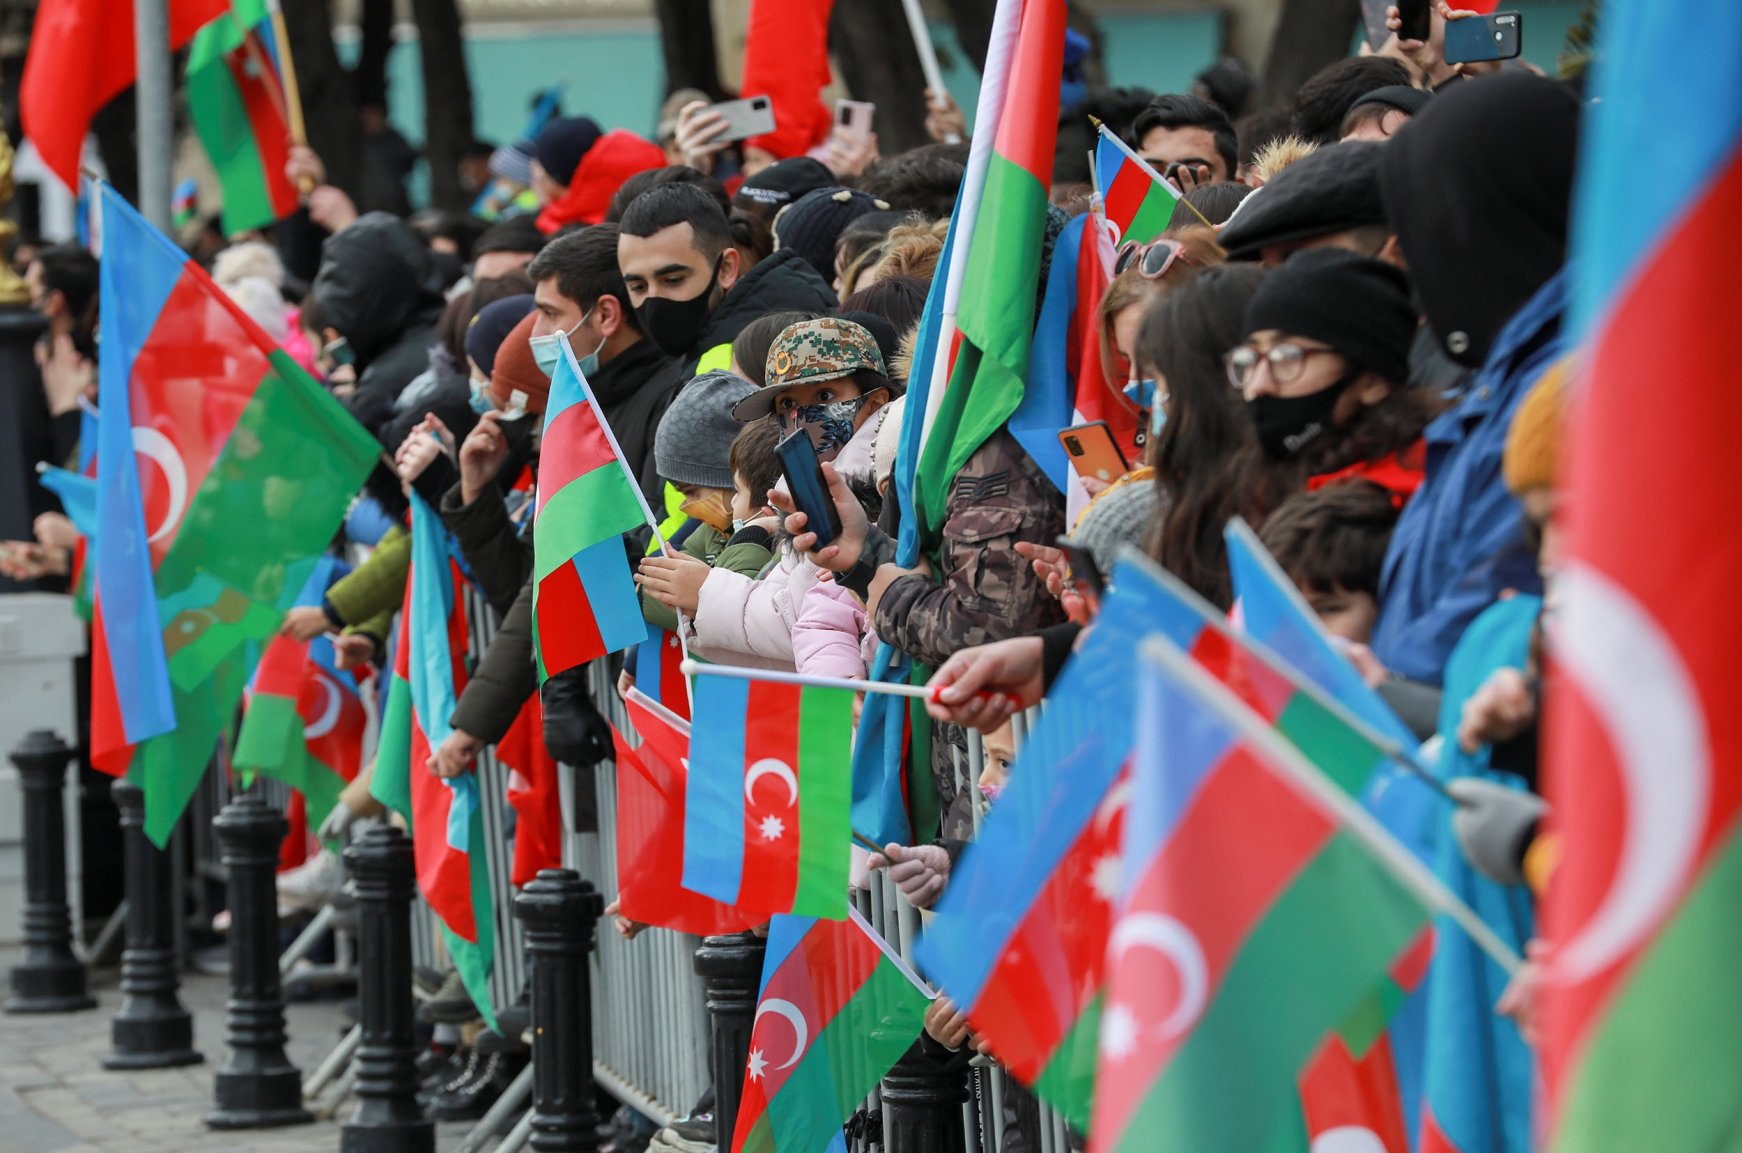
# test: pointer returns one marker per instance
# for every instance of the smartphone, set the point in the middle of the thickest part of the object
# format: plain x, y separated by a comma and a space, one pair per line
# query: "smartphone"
1085, 573
1417, 17
1476, 39
339, 352
1093, 452
752, 116
853, 118
804, 480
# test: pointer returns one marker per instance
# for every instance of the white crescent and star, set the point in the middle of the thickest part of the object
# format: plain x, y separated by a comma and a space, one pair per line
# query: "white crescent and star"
329, 715
159, 449
770, 767
801, 1031
1638, 687
1348, 1139
1113, 804
1167, 937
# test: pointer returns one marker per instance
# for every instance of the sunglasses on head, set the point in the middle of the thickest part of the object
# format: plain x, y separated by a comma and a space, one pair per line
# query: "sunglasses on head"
1152, 260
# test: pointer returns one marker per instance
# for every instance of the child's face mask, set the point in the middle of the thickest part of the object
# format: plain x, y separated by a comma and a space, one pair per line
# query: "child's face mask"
711, 508
830, 426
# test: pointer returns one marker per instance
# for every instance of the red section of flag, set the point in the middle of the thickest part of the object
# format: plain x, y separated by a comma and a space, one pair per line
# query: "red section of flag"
81, 57
1354, 1099
1433, 1138
110, 752
568, 632
650, 820
1096, 397
334, 720
1217, 896
770, 876
263, 98
1125, 194
1053, 965
534, 792
574, 445
1028, 126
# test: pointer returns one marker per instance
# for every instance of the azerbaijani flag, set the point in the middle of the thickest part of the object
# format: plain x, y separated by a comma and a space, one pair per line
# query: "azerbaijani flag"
222, 471
304, 720
237, 101
766, 814
445, 816
1019, 937
1644, 767
650, 828
77, 493
1250, 924
995, 321
659, 672
836, 1010
583, 598
1138, 201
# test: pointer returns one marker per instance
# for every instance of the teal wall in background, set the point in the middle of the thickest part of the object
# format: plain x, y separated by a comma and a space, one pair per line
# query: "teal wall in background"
615, 73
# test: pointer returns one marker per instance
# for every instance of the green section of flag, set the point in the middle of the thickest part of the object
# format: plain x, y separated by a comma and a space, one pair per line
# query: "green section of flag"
390, 782
595, 506
1068, 1081
1340, 751
272, 743
475, 959
1153, 215
997, 325
825, 786
1661, 1066
1318, 952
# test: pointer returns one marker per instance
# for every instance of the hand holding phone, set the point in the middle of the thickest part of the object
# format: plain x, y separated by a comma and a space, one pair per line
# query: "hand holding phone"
752, 116
810, 492
1484, 39
853, 118
1085, 573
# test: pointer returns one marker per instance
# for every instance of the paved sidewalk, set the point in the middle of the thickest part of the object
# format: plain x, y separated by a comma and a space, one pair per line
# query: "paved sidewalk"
55, 1096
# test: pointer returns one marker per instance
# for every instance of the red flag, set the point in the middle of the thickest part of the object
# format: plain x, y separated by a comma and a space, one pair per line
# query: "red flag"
81, 57
650, 823
533, 793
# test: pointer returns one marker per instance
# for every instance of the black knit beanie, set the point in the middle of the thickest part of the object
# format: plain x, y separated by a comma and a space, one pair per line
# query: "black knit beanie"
1356, 304
811, 224
563, 143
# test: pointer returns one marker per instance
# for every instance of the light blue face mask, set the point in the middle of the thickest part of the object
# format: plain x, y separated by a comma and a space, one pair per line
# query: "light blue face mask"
547, 350
1157, 421
481, 402
1141, 392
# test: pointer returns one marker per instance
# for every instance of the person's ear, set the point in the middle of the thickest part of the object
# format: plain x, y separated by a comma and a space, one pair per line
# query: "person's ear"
731, 262
1372, 389
874, 400
608, 311
1391, 252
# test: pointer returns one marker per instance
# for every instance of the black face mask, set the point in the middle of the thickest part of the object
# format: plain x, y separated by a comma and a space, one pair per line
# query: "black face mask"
518, 434
1287, 424
676, 325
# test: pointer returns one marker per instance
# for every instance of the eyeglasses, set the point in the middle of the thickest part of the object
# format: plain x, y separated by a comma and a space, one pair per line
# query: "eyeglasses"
1286, 360
1152, 259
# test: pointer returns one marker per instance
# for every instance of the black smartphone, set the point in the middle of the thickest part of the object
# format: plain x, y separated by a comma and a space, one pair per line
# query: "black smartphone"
804, 480
1478, 39
1417, 17
1085, 573
338, 350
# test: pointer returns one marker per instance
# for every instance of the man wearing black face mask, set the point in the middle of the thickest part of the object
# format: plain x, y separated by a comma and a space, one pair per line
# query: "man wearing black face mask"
687, 284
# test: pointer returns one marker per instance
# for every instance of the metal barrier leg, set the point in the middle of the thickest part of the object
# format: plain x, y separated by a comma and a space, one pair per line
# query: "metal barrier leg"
511, 1104
731, 972
517, 1136
306, 940
257, 1087
333, 1063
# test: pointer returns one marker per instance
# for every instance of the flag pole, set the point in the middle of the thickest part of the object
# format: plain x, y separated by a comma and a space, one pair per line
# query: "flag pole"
1310, 780
155, 88
928, 56
287, 74
780, 677
1113, 139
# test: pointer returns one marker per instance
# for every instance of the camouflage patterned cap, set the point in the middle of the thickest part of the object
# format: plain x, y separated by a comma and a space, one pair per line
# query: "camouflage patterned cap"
811, 352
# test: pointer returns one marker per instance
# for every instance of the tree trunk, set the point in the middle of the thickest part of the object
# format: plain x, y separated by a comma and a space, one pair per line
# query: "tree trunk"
329, 104
871, 43
973, 21
116, 127
686, 38
447, 96
1309, 35
369, 77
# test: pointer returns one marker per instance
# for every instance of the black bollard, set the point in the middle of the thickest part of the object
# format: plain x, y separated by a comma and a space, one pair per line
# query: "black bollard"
257, 1087
731, 972
922, 1098
152, 1030
51, 979
559, 911
384, 880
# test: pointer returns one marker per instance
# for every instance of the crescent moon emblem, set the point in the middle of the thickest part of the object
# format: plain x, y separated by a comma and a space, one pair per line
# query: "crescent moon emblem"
148, 442
801, 1031
1348, 1139
1639, 687
766, 767
1174, 941
323, 724
1114, 804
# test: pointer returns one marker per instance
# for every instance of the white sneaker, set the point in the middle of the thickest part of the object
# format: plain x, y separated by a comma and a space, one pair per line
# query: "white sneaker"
313, 884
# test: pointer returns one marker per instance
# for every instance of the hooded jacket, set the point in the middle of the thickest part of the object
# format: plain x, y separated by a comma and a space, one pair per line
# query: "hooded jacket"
613, 158
782, 282
379, 288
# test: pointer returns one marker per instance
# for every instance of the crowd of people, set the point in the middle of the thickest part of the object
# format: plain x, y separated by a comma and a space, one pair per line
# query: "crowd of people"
1350, 336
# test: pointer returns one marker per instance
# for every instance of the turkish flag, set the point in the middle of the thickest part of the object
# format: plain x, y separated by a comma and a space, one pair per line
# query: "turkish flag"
81, 56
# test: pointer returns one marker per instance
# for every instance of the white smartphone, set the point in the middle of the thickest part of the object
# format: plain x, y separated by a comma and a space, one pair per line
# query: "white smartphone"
853, 118
752, 116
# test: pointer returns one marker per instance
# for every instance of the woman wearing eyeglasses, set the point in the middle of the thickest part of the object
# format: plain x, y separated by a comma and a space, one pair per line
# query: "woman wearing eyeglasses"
1322, 369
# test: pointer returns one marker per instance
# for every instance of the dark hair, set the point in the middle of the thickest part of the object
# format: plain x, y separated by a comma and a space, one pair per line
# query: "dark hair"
752, 457
1256, 131
1372, 112
584, 264
1321, 103
1116, 107
457, 316
750, 347
923, 180
477, 149
675, 174
1216, 202
1176, 111
459, 228
667, 205
1228, 84
867, 232
72, 272
898, 299
751, 236
1333, 538
516, 234
1184, 338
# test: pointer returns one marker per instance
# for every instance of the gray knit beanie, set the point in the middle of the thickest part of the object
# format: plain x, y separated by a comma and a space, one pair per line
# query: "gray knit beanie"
696, 432
1115, 519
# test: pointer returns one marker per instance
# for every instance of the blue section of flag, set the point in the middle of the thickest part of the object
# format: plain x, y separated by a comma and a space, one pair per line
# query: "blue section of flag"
610, 589
650, 660
433, 695
138, 272
1109, 158
785, 933
927, 347
1083, 739
1049, 398
1179, 744
78, 498
713, 832
879, 744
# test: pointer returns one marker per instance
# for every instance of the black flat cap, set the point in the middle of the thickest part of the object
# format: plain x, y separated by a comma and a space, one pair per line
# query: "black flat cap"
1334, 189
1399, 96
